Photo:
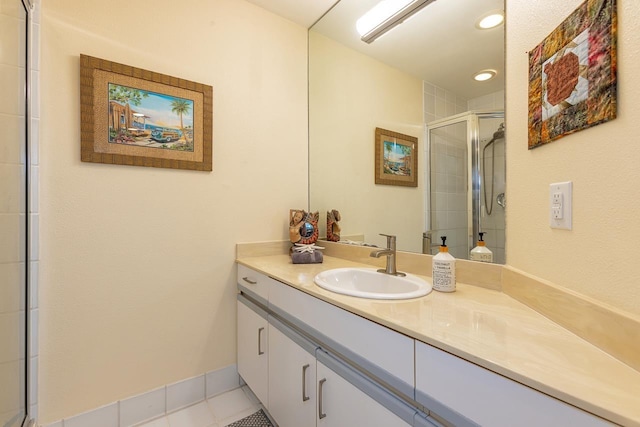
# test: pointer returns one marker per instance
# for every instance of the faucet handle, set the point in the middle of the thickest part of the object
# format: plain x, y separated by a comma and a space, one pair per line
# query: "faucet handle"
391, 240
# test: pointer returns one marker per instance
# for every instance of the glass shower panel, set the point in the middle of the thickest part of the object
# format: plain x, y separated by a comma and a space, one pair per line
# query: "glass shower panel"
449, 177
13, 213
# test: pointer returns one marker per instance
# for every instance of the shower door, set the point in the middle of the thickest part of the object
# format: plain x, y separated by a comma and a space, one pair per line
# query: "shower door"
457, 192
450, 203
13, 213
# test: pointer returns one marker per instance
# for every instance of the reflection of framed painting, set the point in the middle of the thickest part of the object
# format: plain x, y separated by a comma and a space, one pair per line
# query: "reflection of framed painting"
135, 117
572, 74
396, 158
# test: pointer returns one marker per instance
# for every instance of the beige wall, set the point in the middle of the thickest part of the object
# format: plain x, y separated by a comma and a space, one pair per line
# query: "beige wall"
137, 273
599, 257
350, 95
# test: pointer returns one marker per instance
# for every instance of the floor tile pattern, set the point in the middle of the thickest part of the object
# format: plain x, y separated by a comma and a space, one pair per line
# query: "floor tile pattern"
223, 410
259, 419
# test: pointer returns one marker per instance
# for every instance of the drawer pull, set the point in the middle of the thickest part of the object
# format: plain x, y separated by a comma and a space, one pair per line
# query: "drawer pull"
250, 281
321, 415
260, 352
304, 382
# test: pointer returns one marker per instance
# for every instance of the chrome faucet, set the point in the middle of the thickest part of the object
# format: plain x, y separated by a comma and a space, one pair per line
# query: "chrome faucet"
390, 253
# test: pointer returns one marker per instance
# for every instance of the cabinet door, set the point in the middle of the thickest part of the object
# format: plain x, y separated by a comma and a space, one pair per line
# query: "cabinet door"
342, 404
292, 379
451, 386
253, 357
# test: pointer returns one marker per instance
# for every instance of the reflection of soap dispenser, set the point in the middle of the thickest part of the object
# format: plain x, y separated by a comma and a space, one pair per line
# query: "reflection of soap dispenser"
444, 269
481, 252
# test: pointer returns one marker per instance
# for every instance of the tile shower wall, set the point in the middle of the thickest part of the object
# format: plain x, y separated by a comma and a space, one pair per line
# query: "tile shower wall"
450, 204
492, 224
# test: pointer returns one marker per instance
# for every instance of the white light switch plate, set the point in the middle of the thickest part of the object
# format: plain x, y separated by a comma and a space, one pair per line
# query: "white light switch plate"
560, 205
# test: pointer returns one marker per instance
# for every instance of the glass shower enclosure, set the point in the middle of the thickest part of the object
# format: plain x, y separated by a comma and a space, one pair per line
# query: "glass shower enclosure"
466, 155
14, 212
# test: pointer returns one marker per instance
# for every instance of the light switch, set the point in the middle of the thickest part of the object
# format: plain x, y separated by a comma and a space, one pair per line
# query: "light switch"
560, 205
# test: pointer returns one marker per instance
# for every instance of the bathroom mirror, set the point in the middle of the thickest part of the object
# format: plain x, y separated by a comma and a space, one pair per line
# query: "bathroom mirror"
418, 73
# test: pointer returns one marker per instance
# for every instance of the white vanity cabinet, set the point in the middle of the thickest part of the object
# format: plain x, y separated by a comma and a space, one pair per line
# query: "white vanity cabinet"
345, 399
253, 332
303, 384
457, 389
253, 354
292, 377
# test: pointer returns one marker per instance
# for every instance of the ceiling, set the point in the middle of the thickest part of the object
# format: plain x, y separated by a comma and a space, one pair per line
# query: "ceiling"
440, 44
302, 12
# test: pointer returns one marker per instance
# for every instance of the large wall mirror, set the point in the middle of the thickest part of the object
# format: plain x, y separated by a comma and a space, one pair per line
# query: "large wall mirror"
416, 80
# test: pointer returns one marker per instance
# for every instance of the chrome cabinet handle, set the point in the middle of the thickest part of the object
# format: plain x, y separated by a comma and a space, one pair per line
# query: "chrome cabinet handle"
321, 415
304, 382
260, 352
250, 281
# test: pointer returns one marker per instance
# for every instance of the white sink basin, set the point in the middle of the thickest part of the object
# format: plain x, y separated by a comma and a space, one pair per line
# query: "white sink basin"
369, 283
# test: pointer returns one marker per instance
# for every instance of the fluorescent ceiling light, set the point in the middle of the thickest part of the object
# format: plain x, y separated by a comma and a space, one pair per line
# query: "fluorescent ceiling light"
490, 21
386, 15
484, 75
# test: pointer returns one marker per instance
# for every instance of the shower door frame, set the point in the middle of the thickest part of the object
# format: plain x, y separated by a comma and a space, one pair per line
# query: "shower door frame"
29, 376
474, 179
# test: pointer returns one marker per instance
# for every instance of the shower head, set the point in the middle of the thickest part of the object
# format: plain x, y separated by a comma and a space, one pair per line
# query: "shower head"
499, 134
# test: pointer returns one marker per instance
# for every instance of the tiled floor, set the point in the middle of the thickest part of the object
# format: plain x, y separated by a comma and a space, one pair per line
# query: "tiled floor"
218, 411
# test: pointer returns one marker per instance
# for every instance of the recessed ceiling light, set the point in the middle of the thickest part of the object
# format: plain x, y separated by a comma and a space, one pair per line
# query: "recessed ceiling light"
484, 75
490, 21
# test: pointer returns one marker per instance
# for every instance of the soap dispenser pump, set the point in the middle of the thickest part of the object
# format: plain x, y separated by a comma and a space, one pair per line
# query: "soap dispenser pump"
481, 252
444, 269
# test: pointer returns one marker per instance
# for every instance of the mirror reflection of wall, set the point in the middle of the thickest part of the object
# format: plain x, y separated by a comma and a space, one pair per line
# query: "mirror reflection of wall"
418, 73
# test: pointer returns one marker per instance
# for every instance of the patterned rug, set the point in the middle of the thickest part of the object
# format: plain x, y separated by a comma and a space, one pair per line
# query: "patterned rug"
259, 419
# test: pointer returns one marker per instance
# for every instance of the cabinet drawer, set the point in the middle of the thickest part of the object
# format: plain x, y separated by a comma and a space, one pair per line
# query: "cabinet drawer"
386, 354
451, 387
254, 282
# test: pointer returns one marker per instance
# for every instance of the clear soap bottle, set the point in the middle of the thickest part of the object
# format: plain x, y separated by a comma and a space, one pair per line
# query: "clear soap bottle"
444, 269
481, 252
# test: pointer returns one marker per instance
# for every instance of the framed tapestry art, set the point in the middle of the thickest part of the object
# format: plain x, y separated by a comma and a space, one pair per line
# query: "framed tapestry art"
136, 117
572, 74
396, 160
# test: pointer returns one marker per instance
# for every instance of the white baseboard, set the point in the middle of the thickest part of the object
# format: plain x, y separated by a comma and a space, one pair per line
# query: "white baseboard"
157, 402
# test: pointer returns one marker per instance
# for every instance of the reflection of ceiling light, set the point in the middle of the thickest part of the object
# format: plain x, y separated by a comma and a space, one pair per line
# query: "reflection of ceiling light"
386, 15
490, 21
484, 75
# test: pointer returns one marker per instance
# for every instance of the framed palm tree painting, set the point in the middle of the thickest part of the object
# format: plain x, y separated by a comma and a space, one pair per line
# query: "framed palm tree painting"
396, 161
136, 117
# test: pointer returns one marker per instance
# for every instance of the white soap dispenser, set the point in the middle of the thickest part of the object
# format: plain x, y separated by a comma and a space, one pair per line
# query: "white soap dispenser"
444, 269
481, 252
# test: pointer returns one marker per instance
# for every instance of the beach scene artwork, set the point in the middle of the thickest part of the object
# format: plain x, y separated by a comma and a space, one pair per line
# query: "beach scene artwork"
397, 158
149, 119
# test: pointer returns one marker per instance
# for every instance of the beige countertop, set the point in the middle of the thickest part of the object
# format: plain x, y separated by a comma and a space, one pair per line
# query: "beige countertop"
490, 329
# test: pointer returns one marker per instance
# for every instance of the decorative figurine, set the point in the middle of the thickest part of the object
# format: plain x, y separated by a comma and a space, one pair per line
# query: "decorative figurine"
333, 229
303, 226
303, 233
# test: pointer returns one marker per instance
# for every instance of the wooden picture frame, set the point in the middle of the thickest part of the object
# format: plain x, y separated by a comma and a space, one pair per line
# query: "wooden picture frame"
130, 116
396, 158
572, 74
